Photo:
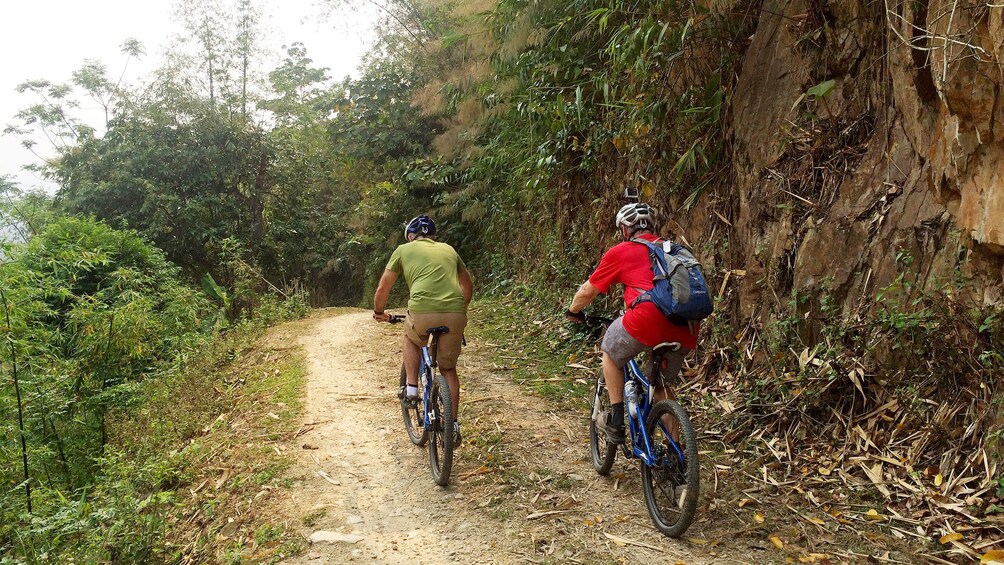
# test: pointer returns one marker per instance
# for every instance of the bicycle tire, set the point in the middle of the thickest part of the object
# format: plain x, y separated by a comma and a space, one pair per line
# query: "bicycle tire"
414, 416
441, 444
671, 511
601, 452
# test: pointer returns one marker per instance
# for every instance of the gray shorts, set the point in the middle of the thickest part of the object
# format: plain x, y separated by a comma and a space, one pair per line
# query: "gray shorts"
619, 344
621, 348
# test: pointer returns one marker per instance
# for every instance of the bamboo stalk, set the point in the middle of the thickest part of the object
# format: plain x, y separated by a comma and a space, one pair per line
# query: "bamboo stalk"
20, 406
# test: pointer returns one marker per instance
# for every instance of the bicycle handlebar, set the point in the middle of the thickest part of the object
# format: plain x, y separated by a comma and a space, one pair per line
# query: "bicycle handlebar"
589, 320
593, 321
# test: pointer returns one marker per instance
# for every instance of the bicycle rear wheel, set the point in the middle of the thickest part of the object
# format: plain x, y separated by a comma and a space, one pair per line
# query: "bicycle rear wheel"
601, 451
441, 446
672, 481
414, 420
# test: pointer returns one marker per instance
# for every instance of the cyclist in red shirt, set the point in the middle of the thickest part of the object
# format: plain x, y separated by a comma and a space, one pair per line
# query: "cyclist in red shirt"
642, 326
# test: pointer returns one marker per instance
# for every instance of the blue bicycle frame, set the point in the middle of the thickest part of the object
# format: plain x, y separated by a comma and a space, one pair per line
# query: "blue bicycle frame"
643, 449
425, 373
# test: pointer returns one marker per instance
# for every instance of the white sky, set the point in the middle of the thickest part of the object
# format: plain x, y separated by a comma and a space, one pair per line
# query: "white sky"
43, 39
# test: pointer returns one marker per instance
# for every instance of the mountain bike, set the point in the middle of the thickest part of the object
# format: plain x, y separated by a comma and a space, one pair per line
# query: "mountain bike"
429, 418
661, 437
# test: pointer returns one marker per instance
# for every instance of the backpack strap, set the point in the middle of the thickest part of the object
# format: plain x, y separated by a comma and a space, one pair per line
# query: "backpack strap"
643, 295
651, 255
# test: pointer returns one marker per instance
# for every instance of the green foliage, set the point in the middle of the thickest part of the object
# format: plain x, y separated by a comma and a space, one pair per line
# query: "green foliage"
822, 89
186, 184
21, 214
90, 313
575, 99
117, 520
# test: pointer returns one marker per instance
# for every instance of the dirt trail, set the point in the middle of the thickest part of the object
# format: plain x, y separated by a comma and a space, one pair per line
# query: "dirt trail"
522, 490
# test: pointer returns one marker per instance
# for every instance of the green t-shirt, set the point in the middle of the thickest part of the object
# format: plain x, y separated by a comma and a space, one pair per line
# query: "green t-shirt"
431, 270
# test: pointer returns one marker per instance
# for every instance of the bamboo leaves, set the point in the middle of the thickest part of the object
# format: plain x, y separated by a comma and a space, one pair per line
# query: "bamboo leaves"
87, 312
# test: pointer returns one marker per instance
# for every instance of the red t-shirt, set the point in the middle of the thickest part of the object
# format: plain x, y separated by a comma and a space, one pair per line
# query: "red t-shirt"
628, 263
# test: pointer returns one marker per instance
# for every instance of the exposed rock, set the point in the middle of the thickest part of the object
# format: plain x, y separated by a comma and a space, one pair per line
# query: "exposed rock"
928, 182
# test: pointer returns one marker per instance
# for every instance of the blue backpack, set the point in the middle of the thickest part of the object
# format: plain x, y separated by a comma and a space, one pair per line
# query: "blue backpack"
680, 291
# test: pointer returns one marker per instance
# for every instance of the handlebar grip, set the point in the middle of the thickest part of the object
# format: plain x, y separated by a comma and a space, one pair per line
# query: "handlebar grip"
598, 320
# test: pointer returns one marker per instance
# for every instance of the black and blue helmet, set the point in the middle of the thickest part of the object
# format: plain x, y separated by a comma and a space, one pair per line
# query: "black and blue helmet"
420, 225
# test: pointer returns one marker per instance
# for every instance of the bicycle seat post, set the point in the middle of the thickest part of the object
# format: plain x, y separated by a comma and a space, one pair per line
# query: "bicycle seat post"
433, 346
434, 334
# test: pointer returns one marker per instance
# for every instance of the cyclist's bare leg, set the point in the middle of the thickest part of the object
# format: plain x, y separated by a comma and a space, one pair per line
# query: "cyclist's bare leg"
614, 378
454, 382
412, 357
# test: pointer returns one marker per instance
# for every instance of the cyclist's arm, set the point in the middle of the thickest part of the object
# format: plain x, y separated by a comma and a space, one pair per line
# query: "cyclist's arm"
586, 293
466, 285
383, 291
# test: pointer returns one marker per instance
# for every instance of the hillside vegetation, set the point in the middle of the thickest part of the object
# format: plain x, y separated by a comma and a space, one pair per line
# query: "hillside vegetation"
831, 163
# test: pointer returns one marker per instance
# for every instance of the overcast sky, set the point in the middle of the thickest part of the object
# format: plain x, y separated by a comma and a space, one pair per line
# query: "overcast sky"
50, 39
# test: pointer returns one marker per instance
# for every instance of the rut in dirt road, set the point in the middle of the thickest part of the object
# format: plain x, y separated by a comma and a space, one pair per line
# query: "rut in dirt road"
522, 489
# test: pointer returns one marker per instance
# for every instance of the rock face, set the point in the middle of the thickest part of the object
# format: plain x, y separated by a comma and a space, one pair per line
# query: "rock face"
903, 159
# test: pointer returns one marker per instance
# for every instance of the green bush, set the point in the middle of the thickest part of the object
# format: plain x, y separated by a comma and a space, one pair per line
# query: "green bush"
89, 313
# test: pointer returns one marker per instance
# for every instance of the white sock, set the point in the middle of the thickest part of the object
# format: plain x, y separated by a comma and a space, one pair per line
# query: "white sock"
411, 390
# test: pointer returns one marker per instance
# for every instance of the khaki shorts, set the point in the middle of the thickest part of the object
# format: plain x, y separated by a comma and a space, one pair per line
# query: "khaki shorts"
416, 326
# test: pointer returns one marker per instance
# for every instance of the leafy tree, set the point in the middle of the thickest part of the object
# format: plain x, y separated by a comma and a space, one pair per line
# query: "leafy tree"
226, 37
53, 117
21, 214
186, 184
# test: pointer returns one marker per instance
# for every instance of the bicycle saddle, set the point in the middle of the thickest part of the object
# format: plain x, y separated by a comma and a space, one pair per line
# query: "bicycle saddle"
439, 330
667, 346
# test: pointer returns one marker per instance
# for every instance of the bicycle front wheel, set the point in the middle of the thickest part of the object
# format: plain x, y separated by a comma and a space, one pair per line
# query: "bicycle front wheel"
672, 481
601, 451
414, 419
441, 446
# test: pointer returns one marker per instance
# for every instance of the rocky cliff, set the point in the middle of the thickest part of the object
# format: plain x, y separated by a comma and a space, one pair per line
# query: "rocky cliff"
902, 158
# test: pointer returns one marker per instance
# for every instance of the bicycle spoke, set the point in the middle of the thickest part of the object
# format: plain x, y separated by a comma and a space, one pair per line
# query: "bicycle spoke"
601, 451
441, 447
671, 482
414, 415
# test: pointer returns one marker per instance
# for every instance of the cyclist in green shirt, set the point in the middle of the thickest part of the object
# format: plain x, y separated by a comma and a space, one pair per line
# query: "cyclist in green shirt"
440, 288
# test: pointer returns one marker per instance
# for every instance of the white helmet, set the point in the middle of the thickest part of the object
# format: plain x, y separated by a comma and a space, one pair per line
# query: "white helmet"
636, 215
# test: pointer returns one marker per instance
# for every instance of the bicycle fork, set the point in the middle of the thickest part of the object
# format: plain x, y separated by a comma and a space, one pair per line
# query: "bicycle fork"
598, 390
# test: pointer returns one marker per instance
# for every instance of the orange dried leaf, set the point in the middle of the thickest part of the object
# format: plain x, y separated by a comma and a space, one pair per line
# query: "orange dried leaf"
816, 521
949, 538
873, 515
758, 517
938, 479
776, 541
993, 556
